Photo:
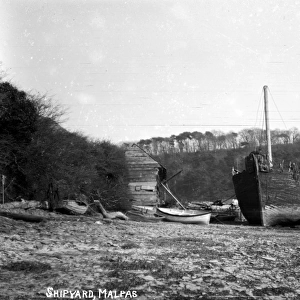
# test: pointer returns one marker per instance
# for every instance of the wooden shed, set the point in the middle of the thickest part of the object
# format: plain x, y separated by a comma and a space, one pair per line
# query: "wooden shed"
145, 175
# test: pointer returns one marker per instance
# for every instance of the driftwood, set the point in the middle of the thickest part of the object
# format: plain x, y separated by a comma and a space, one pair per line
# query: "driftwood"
111, 215
27, 218
24, 204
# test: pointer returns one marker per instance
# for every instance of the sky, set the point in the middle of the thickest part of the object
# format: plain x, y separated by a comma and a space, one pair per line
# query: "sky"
127, 70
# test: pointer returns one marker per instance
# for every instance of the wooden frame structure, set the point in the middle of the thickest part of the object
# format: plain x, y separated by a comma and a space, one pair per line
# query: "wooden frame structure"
145, 176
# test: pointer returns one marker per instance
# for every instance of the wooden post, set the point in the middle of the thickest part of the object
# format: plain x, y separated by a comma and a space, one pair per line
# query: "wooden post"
171, 194
3, 184
268, 126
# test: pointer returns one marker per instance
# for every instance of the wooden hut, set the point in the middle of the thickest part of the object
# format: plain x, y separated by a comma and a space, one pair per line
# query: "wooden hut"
145, 175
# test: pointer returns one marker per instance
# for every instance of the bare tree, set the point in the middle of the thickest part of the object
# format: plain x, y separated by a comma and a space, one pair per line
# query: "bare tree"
295, 134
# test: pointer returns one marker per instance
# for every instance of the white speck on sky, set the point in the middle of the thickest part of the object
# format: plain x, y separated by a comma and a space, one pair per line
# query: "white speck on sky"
130, 70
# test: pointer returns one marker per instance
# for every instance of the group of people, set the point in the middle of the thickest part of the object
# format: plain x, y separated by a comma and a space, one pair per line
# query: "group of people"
265, 165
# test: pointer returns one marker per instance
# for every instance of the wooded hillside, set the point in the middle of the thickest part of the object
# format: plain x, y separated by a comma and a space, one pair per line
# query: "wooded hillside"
207, 158
206, 175
35, 151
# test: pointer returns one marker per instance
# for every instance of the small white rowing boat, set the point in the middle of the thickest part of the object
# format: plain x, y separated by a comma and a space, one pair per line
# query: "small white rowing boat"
188, 216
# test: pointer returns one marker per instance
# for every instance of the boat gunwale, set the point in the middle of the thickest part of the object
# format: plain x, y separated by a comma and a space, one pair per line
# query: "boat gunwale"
183, 215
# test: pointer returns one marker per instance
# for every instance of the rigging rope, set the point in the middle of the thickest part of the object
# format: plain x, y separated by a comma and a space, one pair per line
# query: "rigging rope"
262, 118
260, 102
277, 109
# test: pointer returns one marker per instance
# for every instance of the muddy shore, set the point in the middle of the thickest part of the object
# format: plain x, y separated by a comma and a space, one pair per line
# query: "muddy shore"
88, 258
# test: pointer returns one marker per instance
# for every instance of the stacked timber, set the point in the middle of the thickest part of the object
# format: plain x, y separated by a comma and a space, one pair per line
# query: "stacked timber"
145, 175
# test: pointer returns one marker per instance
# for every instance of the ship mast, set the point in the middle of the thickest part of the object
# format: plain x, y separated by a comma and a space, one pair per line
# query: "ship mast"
268, 126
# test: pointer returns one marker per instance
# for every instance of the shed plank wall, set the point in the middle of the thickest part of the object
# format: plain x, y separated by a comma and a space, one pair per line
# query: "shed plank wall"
142, 170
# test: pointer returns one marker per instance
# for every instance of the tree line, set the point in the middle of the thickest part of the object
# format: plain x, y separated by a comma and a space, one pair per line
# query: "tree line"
36, 151
217, 140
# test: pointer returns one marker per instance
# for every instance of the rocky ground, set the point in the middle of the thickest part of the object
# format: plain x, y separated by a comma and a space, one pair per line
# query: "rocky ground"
89, 258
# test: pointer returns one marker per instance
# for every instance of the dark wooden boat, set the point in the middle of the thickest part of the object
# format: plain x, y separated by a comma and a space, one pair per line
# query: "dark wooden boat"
142, 217
222, 218
267, 193
146, 210
73, 207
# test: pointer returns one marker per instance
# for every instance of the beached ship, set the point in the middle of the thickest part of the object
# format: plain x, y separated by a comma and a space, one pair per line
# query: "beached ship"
267, 192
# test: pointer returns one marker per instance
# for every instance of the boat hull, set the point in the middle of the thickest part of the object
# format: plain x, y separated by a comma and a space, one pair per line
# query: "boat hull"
220, 218
247, 192
140, 217
74, 208
264, 197
149, 210
184, 216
